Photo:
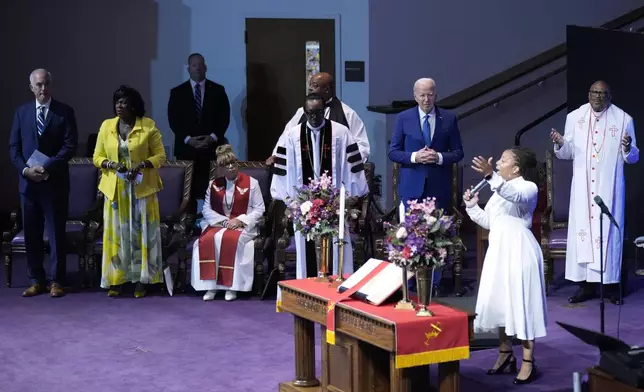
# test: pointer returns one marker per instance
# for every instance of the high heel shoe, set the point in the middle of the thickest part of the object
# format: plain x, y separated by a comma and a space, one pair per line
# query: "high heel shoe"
531, 377
510, 360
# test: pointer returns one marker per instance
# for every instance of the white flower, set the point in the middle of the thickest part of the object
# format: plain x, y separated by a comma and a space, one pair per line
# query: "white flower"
401, 233
306, 207
431, 220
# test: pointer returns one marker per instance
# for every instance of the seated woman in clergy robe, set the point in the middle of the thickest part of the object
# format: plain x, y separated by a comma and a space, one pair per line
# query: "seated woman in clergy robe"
222, 257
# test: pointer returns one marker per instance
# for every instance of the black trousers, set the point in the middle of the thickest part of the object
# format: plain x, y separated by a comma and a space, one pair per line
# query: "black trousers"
45, 213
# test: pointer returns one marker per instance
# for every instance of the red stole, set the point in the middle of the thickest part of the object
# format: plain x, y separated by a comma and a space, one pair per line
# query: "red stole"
208, 269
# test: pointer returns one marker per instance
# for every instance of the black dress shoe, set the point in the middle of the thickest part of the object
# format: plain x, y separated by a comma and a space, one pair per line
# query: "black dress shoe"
581, 296
531, 377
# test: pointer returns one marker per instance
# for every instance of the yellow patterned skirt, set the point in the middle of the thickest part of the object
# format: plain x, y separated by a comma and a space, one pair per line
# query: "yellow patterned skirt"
131, 239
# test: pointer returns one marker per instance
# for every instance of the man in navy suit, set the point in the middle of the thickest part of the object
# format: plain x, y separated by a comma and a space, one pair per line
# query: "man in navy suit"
48, 128
426, 142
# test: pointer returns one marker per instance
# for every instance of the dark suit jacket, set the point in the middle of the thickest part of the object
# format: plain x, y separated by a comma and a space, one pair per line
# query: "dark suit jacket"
408, 138
182, 117
58, 141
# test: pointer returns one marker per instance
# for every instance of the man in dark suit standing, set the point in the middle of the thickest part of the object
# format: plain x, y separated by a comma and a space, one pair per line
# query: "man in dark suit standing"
426, 142
199, 115
43, 140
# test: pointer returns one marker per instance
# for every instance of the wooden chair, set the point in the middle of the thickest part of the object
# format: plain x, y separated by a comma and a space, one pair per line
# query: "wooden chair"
83, 195
176, 177
456, 252
263, 242
554, 221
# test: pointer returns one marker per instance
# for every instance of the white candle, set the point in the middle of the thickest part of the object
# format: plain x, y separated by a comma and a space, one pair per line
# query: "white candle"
342, 202
401, 212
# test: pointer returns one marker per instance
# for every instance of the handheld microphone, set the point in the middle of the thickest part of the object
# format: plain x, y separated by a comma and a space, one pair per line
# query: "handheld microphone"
602, 206
478, 187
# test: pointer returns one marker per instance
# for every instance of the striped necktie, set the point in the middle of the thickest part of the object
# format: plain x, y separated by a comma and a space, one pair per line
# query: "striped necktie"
198, 100
40, 122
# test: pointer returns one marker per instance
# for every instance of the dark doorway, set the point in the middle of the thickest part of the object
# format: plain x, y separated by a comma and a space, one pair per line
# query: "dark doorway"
276, 74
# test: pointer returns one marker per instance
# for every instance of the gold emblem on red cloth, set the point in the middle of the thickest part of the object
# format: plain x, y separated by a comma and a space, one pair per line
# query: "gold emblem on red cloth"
433, 334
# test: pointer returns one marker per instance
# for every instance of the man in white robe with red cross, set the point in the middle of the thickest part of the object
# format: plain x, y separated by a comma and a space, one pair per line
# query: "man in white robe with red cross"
599, 138
223, 256
306, 151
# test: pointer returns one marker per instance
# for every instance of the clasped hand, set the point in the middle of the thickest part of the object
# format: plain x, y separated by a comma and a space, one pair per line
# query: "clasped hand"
36, 173
201, 142
233, 224
426, 155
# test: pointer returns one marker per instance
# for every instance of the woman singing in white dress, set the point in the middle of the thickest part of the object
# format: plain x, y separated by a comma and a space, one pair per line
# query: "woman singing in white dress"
511, 297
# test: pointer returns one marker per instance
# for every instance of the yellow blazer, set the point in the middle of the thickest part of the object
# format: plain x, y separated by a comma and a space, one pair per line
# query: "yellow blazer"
144, 143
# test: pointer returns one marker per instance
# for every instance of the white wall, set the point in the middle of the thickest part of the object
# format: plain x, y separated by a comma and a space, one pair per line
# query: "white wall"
462, 42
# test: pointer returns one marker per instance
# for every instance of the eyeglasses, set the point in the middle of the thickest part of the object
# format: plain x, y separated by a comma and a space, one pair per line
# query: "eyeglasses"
598, 93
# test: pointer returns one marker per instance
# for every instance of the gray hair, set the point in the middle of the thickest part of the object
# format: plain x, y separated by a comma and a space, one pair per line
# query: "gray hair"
423, 81
37, 71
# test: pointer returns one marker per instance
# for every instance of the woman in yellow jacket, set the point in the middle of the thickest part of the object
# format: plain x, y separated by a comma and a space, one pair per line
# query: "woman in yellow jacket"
129, 150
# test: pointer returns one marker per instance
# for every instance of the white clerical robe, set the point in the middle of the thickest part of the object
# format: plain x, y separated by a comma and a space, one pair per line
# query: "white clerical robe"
593, 141
244, 257
345, 169
356, 128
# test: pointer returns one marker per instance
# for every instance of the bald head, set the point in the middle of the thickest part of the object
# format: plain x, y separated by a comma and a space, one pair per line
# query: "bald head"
599, 96
425, 94
322, 83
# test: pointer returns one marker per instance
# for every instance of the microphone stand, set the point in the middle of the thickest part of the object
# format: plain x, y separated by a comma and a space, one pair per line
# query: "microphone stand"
601, 272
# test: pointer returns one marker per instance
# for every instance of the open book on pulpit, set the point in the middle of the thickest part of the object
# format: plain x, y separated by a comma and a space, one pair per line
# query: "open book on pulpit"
378, 287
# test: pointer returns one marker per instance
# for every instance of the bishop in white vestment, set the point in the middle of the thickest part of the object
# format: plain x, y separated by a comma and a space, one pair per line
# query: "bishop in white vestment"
334, 110
599, 138
308, 150
223, 256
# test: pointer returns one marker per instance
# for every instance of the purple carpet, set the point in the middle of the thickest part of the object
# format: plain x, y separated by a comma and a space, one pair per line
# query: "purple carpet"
88, 342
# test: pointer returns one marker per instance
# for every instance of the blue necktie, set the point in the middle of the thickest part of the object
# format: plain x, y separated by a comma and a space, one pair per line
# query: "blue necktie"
426, 130
40, 122
198, 100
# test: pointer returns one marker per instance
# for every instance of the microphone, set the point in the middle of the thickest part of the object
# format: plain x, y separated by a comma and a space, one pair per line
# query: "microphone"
602, 206
478, 187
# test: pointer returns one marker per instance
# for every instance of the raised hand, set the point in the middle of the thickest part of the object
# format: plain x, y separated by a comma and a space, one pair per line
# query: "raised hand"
482, 166
626, 143
556, 137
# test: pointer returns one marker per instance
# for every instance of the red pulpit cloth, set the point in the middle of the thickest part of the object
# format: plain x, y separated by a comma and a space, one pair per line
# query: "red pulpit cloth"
419, 340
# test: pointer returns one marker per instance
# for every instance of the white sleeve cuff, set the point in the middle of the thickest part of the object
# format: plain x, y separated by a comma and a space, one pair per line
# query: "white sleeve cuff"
23, 171
496, 181
413, 157
213, 136
440, 158
185, 141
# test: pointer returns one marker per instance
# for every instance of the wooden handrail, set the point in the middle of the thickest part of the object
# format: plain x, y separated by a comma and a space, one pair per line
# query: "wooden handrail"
509, 75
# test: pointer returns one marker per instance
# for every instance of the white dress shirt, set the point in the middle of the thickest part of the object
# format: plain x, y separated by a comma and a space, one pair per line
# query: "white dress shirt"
202, 87
432, 129
46, 108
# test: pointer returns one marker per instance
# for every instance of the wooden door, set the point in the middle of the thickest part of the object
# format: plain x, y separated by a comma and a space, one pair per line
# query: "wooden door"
276, 74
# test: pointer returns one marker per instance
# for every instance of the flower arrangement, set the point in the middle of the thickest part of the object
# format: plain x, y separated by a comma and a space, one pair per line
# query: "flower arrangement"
421, 240
316, 207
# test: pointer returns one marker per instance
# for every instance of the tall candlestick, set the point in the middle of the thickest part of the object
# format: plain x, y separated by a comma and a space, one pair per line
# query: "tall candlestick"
342, 208
401, 212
